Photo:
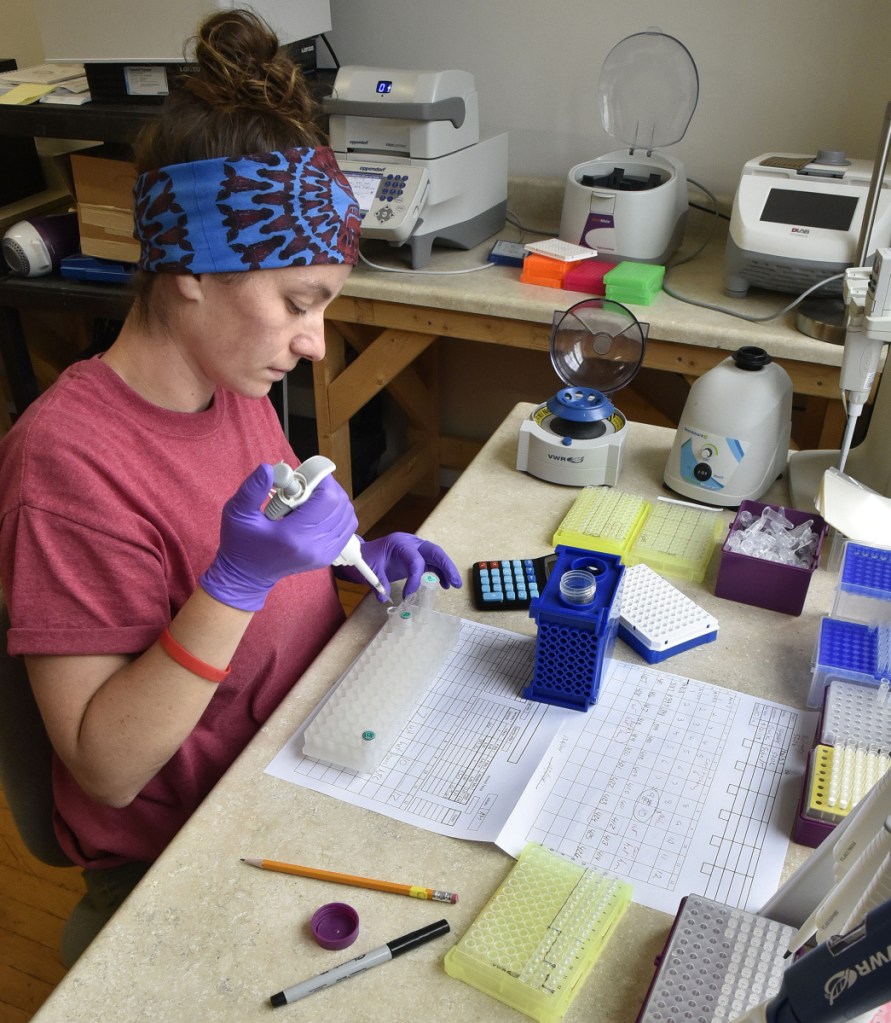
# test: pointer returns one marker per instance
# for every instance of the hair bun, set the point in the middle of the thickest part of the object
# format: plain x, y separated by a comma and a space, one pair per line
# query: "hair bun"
247, 96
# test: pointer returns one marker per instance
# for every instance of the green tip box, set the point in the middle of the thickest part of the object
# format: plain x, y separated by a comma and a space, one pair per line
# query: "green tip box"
634, 283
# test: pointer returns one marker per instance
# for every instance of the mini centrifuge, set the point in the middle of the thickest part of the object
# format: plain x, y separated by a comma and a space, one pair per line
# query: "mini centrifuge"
576, 437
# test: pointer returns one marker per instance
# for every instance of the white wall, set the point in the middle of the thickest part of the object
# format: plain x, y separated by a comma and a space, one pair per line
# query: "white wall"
783, 75
774, 75
20, 38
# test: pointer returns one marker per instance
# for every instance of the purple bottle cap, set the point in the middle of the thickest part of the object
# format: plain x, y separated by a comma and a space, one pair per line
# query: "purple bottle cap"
335, 925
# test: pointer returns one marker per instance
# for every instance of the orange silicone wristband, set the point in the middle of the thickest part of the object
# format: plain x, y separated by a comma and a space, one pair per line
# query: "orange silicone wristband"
188, 661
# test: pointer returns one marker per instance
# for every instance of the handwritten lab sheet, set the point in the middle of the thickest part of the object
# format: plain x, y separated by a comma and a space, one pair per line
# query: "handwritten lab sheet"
678, 786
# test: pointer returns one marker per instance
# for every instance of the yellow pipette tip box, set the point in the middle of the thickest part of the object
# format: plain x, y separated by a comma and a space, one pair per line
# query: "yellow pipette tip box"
818, 803
539, 935
672, 538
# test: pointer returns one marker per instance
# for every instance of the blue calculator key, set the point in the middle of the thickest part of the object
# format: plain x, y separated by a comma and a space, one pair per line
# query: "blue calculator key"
510, 584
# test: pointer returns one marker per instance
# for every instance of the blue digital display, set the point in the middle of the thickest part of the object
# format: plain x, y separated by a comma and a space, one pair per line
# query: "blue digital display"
384, 87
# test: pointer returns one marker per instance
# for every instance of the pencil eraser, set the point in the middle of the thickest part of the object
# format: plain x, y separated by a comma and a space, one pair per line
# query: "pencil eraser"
335, 925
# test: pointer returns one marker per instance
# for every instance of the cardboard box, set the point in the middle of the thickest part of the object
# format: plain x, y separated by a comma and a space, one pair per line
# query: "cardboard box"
103, 186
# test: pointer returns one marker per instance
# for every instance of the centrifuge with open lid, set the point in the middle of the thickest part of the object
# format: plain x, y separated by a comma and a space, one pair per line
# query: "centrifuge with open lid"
576, 437
632, 204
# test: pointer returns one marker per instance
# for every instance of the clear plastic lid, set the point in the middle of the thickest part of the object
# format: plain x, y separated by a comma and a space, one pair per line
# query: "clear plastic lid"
648, 90
597, 343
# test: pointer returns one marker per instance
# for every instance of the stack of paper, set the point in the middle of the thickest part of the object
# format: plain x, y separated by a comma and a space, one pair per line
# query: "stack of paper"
27, 85
74, 92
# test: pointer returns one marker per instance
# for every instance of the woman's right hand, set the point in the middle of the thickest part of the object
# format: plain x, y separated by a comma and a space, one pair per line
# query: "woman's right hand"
255, 552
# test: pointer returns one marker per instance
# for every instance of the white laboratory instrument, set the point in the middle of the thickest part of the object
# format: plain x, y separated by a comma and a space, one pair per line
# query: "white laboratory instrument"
632, 204
577, 436
291, 487
732, 439
409, 144
796, 220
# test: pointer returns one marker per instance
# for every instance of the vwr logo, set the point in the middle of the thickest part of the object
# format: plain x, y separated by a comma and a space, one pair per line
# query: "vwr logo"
839, 982
574, 459
801, 230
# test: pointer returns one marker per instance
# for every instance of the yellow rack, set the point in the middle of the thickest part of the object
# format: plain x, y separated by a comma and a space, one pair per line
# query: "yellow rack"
538, 937
672, 538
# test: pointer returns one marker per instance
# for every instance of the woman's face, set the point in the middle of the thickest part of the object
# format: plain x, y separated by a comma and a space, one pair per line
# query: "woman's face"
246, 332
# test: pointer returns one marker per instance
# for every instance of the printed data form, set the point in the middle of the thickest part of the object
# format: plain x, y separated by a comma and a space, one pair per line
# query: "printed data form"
677, 786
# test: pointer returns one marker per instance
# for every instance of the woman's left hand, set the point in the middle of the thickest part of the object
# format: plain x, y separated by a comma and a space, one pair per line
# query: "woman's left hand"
404, 556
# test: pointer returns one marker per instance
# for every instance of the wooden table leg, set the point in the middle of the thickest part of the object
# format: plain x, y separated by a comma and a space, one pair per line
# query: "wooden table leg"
389, 360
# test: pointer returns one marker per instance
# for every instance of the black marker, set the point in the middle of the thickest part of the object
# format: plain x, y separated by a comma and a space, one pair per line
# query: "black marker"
361, 963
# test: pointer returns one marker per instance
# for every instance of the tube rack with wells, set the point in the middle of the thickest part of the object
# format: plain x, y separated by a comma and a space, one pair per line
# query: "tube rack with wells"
849, 650
657, 620
357, 724
863, 593
852, 752
539, 935
670, 537
576, 627
718, 964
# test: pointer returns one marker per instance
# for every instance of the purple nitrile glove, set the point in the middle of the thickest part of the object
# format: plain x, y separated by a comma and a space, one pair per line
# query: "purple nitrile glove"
403, 556
255, 552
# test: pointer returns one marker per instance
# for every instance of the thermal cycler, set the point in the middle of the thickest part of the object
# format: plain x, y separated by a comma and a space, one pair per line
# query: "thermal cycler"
797, 220
409, 144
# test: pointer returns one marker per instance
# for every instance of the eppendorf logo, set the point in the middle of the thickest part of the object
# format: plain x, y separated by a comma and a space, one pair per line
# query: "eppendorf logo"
839, 982
801, 230
574, 459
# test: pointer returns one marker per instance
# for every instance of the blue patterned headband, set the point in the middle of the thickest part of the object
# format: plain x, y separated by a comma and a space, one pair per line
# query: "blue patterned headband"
289, 208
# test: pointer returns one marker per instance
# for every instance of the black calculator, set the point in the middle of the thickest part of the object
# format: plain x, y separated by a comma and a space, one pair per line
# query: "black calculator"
509, 584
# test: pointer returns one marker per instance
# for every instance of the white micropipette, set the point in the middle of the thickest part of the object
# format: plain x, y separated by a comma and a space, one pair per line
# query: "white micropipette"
291, 487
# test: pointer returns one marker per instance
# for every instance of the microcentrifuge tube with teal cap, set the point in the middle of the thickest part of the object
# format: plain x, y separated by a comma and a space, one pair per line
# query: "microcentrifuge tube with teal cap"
428, 589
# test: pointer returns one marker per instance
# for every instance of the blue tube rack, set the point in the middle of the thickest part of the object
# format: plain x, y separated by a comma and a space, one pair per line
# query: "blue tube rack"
852, 651
863, 593
575, 641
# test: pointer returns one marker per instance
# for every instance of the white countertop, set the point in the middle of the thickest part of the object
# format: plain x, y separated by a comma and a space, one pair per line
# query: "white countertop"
205, 937
498, 292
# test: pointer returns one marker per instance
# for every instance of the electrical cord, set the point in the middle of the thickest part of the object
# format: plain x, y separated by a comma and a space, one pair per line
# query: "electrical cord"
715, 212
436, 273
510, 218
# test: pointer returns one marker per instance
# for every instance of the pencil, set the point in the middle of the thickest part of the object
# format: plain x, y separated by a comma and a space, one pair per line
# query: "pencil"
412, 890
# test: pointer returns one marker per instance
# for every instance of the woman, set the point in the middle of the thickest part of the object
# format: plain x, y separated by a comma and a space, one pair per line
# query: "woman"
162, 623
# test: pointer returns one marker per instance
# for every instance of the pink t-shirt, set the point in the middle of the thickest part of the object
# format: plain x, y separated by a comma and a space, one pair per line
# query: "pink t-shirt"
109, 512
